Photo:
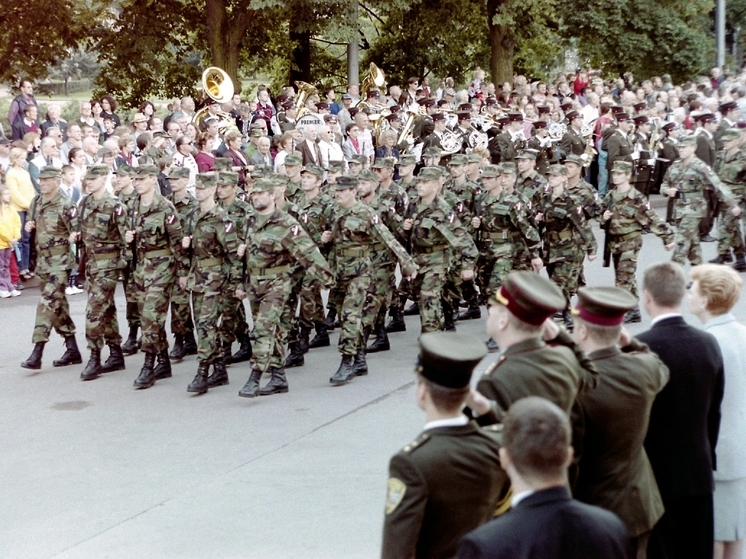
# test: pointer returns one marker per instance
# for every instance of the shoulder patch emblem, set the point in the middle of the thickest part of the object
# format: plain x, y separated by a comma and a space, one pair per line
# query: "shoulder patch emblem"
580, 210
647, 205
73, 211
375, 219
518, 207
304, 218
394, 494
119, 210
296, 230
170, 219
451, 218
228, 226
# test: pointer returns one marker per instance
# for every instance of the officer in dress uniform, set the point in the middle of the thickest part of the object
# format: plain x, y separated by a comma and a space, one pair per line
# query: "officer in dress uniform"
572, 142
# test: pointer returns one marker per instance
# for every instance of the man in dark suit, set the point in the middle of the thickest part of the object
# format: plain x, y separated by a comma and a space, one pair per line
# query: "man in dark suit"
308, 148
544, 520
684, 421
447, 481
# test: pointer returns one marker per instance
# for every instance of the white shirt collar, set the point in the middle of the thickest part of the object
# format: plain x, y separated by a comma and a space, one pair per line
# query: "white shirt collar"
459, 421
664, 317
517, 498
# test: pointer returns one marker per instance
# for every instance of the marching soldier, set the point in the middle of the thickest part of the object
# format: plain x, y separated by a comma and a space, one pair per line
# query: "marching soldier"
531, 182
101, 228
214, 268
730, 166
407, 180
52, 216
730, 116
293, 168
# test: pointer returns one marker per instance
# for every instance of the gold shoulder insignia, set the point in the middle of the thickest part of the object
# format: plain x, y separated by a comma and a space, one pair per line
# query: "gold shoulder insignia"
394, 494
491, 368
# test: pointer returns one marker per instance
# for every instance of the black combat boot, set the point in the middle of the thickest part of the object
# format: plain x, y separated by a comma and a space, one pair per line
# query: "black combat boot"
71, 355
412, 310
359, 364
93, 368
303, 343
330, 321
278, 384
448, 323
146, 379
163, 368
130, 346
244, 351
115, 361
226, 350
295, 358
633, 316
721, 259
219, 375
472, 312
740, 265
321, 339
396, 324
492, 346
567, 320
346, 371
728, 257
381, 343
178, 352
190, 344
34, 360
251, 388
199, 384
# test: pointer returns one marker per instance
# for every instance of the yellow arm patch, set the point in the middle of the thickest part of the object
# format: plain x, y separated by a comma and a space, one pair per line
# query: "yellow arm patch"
394, 494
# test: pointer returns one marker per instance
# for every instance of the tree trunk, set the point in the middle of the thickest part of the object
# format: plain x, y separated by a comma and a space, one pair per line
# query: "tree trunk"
224, 36
300, 69
502, 45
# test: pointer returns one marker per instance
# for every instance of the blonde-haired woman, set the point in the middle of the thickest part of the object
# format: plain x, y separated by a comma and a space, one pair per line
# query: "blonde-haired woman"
714, 292
22, 192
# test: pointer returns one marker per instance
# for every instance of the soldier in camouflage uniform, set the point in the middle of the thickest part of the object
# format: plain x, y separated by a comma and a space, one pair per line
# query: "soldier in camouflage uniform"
125, 191
567, 237
335, 170
275, 242
233, 323
626, 213
293, 168
522, 256
53, 216
312, 212
156, 232
182, 325
531, 184
438, 241
730, 166
686, 180
407, 180
212, 245
101, 228
353, 231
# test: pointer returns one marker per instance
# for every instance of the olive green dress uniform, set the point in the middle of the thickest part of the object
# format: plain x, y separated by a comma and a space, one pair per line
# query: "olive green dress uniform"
731, 170
612, 420
618, 146
448, 481
572, 142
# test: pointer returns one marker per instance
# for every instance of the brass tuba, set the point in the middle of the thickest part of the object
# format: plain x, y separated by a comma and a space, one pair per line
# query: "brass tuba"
305, 90
375, 78
218, 86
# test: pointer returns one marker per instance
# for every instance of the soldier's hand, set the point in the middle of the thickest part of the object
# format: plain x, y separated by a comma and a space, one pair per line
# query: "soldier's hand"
625, 338
670, 246
476, 222
186, 242
736, 211
407, 225
478, 403
467, 275
240, 294
30, 226
607, 215
537, 264
183, 283
539, 218
74, 236
592, 257
129, 236
551, 329
326, 237
241, 250
672, 192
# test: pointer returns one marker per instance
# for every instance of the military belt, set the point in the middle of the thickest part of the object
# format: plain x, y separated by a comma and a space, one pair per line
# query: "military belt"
260, 273
157, 253
55, 250
626, 236
503, 235
360, 252
562, 235
209, 262
429, 250
107, 255
690, 195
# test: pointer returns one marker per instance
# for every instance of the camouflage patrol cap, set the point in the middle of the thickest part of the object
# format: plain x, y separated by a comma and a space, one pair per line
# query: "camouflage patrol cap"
508, 168
604, 306
223, 164
384, 163
407, 159
278, 179
346, 183
526, 154
205, 180
228, 178
474, 158
49, 172
264, 185
531, 298
313, 170
293, 159
572, 158
432, 152
358, 160
145, 171
449, 358
490, 171
336, 166
457, 160
431, 173
367, 175
557, 170
690, 140
621, 167
260, 171
178, 173
124, 170
444, 172
730, 134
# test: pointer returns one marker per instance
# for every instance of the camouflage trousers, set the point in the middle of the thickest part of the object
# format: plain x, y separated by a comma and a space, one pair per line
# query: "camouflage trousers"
624, 254
53, 310
428, 288
233, 322
491, 273
101, 324
308, 291
687, 239
181, 311
401, 293
268, 299
207, 313
154, 295
131, 295
566, 274
382, 285
350, 314
729, 231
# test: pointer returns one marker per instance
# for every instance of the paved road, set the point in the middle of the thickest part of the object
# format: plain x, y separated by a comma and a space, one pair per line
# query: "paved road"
100, 470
